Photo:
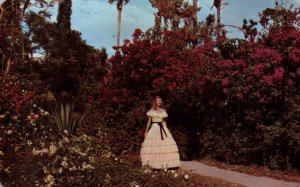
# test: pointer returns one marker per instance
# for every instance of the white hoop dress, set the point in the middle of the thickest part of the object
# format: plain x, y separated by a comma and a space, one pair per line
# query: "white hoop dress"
159, 150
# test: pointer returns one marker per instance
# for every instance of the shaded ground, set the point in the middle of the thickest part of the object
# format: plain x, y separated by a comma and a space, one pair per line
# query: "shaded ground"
236, 177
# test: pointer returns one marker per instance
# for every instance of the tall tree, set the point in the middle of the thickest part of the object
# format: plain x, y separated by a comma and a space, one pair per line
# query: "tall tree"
13, 40
120, 4
218, 5
170, 10
64, 16
64, 28
195, 6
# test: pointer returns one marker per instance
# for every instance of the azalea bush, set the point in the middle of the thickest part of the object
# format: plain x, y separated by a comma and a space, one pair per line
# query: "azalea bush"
85, 160
234, 97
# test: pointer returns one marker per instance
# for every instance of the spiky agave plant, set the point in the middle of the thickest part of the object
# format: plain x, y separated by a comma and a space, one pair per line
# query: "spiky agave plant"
65, 118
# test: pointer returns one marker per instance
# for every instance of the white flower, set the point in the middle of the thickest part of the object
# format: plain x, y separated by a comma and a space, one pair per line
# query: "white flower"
66, 139
73, 168
116, 159
172, 171
60, 170
52, 149
7, 170
29, 142
153, 176
1, 153
186, 176
64, 164
50, 180
165, 170
175, 175
91, 159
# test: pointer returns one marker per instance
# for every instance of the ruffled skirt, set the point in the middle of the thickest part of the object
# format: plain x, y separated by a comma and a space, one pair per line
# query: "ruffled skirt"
158, 153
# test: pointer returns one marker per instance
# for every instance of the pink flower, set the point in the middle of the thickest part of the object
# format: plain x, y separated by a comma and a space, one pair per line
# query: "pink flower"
227, 64
225, 90
245, 89
201, 84
298, 71
257, 94
115, 100
240, 96
225, 82
277, 76
289, 82
293, 57
256, 72
262, 100
249, 79
292, 74
259, 66
239, 63
90, 99
144, 61
267, 79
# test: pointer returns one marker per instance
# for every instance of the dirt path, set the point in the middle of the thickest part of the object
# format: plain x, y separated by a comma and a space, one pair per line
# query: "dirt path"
236, 177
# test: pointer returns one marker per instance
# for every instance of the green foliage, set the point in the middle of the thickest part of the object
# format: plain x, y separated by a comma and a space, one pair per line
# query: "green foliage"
65, 118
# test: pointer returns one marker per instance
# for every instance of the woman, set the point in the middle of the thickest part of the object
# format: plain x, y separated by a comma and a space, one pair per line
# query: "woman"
159, 150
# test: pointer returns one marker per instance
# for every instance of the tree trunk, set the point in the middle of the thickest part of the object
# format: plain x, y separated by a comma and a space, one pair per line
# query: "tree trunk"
195, 13
119, 26
218, 6
8, 63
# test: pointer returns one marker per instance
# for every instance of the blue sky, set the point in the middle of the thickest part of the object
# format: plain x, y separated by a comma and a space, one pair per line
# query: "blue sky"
97, 19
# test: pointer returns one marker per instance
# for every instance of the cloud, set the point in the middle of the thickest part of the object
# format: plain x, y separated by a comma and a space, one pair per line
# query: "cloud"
97, 21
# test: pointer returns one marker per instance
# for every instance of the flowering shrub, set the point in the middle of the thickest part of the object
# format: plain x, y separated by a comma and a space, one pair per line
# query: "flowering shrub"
226, 93
86, 160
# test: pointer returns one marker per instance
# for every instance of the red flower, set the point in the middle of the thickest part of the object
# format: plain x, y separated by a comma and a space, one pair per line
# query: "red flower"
249, 79
292, 74
262, 100
239, 63
259, 66
245, 89
240, 96
289, 82
90, 99
144, 61
115, 100
225, 90
294, 57
225, 82
256, 72
137, 33
277, 76
298, 71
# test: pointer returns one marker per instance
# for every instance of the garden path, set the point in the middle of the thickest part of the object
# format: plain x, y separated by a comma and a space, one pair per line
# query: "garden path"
232, 176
